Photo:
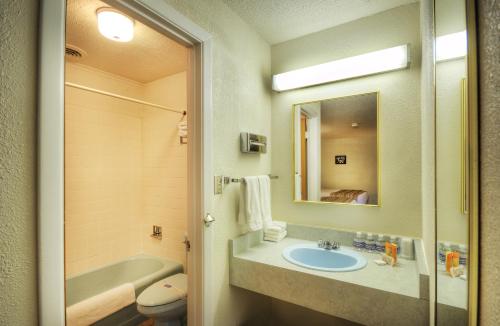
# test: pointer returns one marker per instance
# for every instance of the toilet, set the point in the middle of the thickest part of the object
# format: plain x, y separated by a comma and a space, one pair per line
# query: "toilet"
165, 301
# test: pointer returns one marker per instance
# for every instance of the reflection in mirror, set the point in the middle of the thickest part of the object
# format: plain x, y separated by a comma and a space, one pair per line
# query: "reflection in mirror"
451, 163
336, 150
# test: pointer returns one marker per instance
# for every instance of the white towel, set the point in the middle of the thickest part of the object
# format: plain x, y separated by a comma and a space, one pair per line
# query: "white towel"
265, 200
95, 308
275, 227
250, 214
273, 233
182, 128
275, 238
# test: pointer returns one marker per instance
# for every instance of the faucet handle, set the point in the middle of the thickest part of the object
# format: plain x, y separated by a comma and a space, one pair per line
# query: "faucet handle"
335, 244
325, 244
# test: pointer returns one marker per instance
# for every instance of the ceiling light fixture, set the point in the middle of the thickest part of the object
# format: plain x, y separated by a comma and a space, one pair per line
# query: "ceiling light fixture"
114, 25
390, 59
451, 46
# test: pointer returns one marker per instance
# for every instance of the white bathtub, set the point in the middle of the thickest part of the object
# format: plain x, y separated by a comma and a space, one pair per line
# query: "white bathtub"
141, 271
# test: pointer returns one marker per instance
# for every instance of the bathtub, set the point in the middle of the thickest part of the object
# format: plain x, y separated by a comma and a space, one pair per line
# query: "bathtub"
141, 271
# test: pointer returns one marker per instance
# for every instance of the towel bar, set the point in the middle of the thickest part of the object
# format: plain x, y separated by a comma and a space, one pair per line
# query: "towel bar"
221, 180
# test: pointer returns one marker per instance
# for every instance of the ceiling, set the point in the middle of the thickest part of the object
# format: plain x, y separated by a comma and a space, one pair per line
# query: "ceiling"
337, 116
282, 20
149, 56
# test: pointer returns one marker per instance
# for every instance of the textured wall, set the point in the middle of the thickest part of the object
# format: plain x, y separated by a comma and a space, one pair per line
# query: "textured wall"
489, 86
18, 50
399, 115
241, 102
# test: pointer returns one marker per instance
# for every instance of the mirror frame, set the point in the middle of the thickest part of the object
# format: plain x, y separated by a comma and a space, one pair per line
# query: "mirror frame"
379, 175
473, 168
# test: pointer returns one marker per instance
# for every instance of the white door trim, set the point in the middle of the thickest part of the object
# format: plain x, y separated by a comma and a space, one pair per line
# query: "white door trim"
51, 153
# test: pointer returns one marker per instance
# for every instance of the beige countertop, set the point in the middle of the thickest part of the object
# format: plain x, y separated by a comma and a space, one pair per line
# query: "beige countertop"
451, 291
402, 279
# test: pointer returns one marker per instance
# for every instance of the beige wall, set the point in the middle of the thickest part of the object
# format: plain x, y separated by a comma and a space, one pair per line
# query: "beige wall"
399, 122
241, 102
489, 157
360, 172
125, 170
18, 55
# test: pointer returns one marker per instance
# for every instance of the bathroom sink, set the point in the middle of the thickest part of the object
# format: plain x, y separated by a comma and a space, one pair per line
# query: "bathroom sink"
312, 257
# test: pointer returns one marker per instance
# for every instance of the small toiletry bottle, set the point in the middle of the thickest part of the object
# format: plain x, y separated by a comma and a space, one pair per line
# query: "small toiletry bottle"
462, 250
380, 244
456, 258
358, 241
446, 249
395, 240
394, 253
370, 243
441, 254
388, 249
449, 261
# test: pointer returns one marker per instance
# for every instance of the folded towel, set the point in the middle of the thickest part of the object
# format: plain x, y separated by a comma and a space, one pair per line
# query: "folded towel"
182, 128
274, 233
95, 308
276, 227
281, 224
275, 238
250, 215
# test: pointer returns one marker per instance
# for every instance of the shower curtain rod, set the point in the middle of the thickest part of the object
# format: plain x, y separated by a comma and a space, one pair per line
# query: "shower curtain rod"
89, 89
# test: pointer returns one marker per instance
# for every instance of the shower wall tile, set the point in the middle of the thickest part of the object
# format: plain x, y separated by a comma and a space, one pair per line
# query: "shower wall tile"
103, 172
125, 171
165, 169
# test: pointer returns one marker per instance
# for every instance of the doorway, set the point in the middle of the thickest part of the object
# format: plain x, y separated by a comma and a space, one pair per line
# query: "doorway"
56, 129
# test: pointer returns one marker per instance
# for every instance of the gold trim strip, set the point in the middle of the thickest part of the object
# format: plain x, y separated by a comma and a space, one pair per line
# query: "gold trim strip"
473, 169
464, 149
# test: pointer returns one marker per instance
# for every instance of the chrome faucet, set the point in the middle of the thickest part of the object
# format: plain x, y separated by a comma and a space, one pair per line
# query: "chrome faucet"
328, 245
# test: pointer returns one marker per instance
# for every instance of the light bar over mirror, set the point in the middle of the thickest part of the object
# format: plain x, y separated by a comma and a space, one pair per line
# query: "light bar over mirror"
451, 46
390, 59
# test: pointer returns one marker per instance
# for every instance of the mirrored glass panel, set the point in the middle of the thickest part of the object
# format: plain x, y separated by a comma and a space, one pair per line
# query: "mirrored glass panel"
336, 150
452, 163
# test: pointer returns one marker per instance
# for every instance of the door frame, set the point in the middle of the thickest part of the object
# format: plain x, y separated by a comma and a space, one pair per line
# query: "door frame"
165, 19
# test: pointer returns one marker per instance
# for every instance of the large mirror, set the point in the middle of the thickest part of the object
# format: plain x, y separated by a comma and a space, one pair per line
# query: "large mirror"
452, 163
336, 150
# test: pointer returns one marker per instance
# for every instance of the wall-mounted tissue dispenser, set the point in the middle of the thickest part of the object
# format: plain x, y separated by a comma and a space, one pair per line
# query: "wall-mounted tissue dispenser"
252, 143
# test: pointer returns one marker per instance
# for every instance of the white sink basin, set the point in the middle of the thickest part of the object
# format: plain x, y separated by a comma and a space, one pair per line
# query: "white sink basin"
312, 257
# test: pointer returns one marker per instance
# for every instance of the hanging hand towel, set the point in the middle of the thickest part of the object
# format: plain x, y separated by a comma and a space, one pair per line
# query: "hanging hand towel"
265, 200
250, 205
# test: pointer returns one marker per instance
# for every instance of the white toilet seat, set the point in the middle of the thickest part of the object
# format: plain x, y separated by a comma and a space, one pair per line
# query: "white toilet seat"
165, 291
165, 300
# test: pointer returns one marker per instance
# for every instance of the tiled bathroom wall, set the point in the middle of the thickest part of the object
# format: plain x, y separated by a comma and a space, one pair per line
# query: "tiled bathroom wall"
124, 170
165, 169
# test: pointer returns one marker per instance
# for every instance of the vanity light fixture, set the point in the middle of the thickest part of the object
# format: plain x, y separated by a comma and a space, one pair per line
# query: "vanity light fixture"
114, 25
390, 59
451, 46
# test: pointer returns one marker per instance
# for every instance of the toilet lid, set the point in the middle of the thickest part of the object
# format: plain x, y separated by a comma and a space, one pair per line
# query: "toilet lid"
166, 291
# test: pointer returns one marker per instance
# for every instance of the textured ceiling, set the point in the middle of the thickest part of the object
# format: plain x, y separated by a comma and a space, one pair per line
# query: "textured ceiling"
149, 56
282, 20
337, 116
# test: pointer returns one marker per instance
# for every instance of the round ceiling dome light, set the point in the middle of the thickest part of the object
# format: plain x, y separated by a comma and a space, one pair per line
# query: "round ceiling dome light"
114, 25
